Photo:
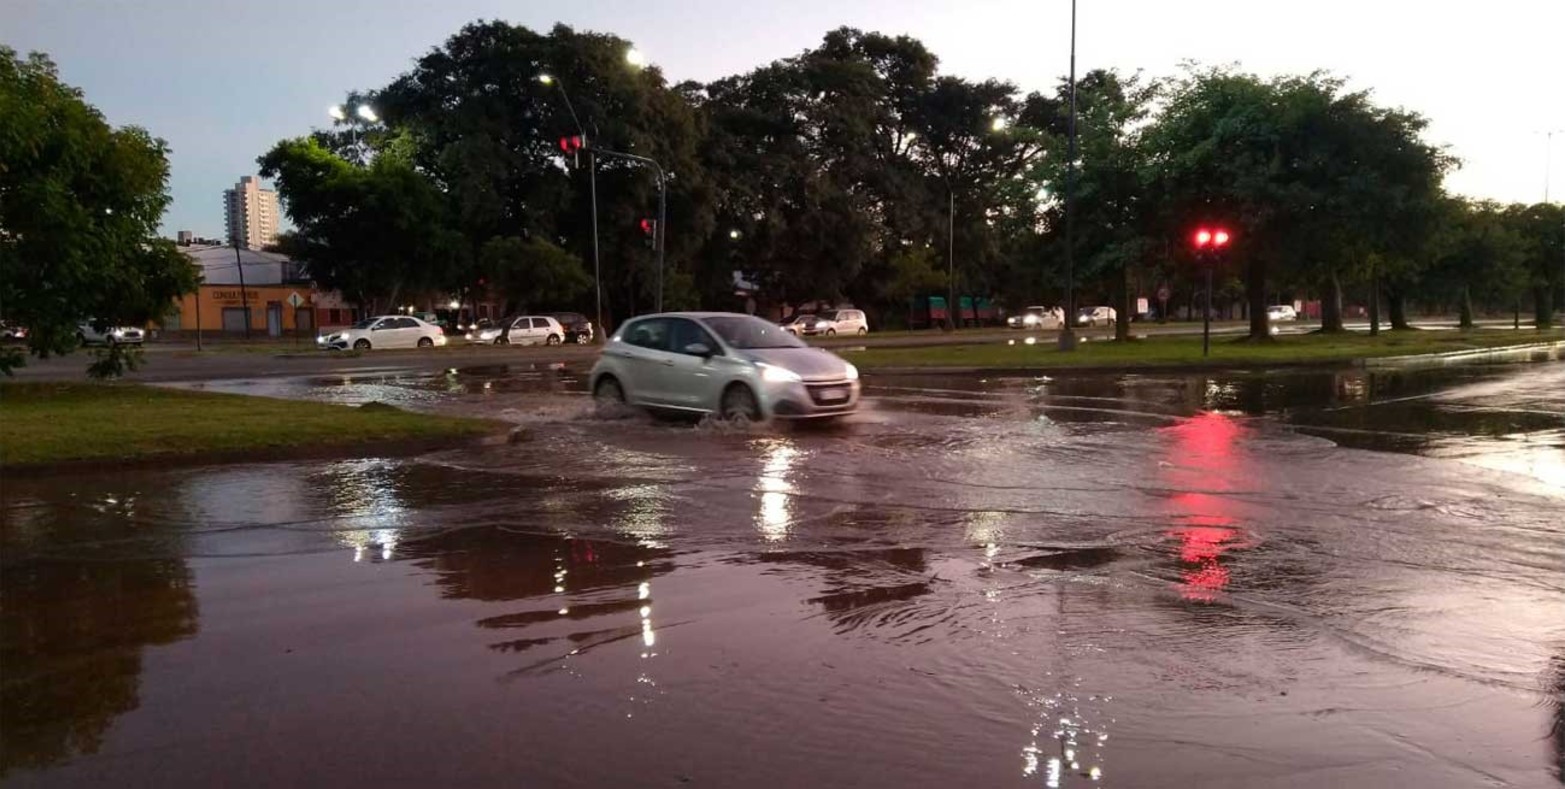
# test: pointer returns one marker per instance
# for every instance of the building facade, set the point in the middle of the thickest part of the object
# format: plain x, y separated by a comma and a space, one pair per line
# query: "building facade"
251, 213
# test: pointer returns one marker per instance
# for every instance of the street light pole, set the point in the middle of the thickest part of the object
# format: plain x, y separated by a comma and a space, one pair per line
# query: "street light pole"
661, 235
592, 180
951, 309
1067, 334
244, 298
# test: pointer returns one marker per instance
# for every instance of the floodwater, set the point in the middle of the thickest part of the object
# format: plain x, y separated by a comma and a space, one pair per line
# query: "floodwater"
1344, 578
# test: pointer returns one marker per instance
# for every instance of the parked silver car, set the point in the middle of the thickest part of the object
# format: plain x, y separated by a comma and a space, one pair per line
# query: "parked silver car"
722, 363
87, 334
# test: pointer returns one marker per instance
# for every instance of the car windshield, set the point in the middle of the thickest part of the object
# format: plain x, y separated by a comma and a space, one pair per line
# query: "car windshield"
366, 323
746, 333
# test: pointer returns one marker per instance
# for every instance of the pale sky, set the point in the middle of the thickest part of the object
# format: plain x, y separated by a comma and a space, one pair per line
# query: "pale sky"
222, 80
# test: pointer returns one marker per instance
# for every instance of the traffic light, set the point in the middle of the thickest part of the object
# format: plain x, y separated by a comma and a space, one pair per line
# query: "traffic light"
1211, 239
649, 228
572, 144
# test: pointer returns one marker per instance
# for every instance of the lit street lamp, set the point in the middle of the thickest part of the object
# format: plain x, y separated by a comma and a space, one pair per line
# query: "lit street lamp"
336, 113
734, 234
548, 80
367, 113
635, 58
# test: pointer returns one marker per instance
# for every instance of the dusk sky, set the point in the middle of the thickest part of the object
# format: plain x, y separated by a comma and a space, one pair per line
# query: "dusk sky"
222, 80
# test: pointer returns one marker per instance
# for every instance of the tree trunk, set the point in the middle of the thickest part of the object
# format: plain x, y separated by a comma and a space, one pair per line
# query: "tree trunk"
1255, 288
1122, 315
1374, 300
1466, 308
1543, 306
1396, 302
1331, 304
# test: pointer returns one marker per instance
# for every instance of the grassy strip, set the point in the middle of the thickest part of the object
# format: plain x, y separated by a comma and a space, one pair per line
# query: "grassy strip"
44, 423
1185, 350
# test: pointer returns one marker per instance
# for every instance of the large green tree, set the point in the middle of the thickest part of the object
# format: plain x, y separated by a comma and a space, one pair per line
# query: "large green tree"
80, 203
1312, 177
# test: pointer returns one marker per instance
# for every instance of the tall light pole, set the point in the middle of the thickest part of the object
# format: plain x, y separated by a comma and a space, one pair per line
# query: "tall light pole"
592, 179
1068, 334
1548, 172
363, 112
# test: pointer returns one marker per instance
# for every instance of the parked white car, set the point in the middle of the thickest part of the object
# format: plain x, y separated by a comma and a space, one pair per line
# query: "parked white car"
1037, 318
735, 366
385, 331
1095, 316
112, 335
522, 330
1282, 312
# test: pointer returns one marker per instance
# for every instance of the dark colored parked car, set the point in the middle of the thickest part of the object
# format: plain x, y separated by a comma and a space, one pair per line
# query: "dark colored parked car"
577, 328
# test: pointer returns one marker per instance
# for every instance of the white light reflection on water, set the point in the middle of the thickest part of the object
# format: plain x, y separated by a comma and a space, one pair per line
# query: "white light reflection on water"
776, 510
365, 491
645, 508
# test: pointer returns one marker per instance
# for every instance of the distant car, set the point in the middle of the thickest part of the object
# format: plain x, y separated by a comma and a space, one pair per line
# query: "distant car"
1095, 316
1282, 312
385, 331
735, 366
10, 332
87, 334
834, 322
521, 330
1037, 318
578, 330
802, 324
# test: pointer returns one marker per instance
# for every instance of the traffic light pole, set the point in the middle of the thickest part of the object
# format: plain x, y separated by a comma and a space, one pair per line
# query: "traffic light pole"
658, 240
1068, 334
1206, 320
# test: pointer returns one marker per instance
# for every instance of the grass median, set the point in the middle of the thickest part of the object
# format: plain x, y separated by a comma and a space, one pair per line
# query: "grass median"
53, 423
1173, 352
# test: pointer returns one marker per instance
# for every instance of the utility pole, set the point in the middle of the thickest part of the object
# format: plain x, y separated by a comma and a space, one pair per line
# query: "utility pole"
951, 260
244, 298
1067, 333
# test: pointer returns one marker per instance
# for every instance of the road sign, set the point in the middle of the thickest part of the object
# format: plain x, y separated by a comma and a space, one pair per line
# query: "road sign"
294, 299
1163, 294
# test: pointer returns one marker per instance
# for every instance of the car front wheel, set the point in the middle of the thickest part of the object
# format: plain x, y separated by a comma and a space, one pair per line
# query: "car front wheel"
739, 402
831, 332
361, 345
554, 339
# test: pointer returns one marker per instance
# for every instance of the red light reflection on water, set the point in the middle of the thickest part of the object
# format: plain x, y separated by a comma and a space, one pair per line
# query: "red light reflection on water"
1201, 466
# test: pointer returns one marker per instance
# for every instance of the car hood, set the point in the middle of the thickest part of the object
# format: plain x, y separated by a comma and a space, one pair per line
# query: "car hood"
809, 363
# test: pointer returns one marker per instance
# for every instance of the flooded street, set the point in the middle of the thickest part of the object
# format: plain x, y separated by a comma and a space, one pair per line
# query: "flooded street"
1322, 578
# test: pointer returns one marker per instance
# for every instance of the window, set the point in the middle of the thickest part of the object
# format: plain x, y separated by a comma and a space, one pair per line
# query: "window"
683, 333
651, 334
334, 316
405, 323
540, 323
746, 332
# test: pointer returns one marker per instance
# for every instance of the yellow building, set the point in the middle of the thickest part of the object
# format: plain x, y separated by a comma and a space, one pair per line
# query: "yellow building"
273, 310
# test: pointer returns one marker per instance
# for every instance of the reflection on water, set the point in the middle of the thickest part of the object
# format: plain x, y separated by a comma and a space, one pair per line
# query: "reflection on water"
1202, 467
774, 487
73, 634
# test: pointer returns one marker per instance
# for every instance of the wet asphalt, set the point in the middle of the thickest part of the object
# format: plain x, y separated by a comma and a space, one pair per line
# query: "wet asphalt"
1264, 578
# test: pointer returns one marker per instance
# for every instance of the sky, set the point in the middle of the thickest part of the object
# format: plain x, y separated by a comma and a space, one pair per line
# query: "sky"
222, 80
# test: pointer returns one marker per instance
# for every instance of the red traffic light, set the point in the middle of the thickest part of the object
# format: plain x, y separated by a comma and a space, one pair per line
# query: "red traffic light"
1211, 237
649, 226
572, 143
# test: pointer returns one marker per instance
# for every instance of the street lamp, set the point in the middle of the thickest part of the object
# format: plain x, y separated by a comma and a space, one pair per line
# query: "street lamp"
734, 234
548, 80
336, 112
999, 123
1209, 243
635, 58
367, 113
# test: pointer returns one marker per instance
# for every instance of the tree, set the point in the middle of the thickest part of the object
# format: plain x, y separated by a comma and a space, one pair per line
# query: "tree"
532, 273
1477, 254
375, 232
80, 203
1541, 229
1315, 179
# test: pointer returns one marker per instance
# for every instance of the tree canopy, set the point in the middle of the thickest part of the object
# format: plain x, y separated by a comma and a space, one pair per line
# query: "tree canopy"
80, 203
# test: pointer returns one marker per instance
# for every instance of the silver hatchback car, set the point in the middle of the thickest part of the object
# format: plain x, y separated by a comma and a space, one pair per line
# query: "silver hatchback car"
722, 363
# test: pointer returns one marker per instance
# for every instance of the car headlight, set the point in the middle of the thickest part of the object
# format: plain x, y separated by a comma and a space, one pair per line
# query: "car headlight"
1030, 320
777, 375
118, 332
820, 325
852, 372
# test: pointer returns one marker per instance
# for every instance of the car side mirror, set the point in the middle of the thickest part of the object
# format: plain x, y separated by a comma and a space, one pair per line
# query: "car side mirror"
699, 349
